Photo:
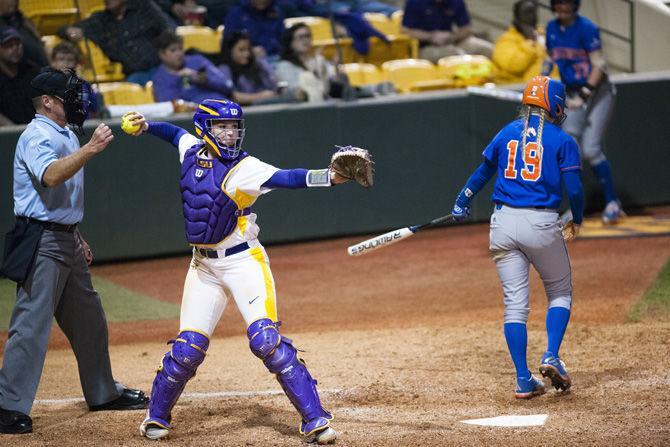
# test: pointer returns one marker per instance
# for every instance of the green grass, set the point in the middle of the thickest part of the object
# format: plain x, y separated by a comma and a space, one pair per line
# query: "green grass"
120, 304
655, 303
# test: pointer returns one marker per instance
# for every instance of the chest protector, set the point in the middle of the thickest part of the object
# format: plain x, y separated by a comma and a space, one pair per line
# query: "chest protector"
210, 215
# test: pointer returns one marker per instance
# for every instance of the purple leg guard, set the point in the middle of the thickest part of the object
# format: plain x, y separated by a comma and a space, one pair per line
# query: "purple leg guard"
281, 358
179, 365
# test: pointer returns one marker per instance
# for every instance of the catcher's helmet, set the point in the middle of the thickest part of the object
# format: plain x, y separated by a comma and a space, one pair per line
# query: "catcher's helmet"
219, 110
548, 94
575, 3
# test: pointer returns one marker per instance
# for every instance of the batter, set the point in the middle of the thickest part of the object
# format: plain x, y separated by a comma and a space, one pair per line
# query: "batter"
532, 156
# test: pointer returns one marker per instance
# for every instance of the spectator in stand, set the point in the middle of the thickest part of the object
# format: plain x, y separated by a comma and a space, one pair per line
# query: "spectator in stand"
307, 72
253, 79
192, 78
33, 48
263, 21
519, 52
66, 56
16, 105
442, 28
125, 32
300, 68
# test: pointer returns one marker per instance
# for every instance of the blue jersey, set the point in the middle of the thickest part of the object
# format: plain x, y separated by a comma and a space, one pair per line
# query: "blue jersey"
529, 177
569, 48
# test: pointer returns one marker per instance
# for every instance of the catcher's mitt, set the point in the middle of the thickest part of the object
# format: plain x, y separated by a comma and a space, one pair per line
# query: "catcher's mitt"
353, 163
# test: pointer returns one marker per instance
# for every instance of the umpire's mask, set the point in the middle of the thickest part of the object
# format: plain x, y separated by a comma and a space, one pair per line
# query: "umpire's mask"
69, 88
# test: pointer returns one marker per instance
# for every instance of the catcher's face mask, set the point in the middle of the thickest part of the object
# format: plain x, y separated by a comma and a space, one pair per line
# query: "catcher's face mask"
76, 102
228, 134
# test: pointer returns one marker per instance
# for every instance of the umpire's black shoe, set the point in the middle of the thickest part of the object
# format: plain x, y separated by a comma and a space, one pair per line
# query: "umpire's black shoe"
15, 423
129, 400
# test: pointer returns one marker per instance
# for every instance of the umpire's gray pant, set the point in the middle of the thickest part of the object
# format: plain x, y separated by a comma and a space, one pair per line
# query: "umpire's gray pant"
59, 285
523, 236
588, 125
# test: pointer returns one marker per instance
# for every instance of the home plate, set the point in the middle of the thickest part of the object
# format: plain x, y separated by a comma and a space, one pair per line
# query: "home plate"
530, 420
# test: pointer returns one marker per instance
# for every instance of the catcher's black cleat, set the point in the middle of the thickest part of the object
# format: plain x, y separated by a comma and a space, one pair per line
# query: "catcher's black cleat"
15, 423
130, 399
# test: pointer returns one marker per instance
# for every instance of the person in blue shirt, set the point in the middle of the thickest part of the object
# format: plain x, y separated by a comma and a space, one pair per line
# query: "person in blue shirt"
442, 28
48, 258
533, 158
573, 44
189, 77
263, 21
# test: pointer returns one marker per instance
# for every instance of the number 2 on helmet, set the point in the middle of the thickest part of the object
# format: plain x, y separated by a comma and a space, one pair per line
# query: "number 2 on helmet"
532, 160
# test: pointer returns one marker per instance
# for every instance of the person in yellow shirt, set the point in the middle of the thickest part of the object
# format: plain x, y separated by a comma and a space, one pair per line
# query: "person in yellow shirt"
519, 52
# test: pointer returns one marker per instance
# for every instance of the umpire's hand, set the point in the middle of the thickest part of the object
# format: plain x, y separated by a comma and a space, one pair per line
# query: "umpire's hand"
102, 136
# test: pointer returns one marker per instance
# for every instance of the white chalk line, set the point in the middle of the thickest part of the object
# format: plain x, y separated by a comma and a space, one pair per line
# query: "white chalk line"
211, 395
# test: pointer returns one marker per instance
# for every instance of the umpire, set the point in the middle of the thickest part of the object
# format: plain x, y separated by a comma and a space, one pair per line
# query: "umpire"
47, 257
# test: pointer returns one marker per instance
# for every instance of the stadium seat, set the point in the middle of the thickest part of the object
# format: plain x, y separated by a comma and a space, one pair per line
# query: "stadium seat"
201, 38
397, 17
467, 70
412, 75
400, 45
362, 74
320, 27
383, 23
125, 93
105, 70
50, 19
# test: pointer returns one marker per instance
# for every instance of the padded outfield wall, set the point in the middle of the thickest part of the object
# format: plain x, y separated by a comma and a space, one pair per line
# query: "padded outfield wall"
424, 147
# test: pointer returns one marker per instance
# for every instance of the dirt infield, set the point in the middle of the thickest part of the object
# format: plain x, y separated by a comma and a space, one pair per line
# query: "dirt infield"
406, 342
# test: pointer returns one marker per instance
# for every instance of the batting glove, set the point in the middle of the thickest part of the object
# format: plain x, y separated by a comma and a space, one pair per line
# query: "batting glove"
460, 213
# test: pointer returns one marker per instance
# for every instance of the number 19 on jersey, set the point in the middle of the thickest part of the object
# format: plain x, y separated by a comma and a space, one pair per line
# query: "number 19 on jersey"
532, 161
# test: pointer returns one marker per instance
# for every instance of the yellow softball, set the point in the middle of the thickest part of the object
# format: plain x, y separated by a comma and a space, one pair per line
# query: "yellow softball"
127, 125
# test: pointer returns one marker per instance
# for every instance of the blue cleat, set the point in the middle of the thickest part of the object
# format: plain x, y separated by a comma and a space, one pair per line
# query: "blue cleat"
554, 368
529, 388
612, 213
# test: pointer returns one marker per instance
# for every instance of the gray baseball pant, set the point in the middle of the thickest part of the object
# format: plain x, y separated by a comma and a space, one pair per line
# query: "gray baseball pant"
520, 237
588, 125
59, 285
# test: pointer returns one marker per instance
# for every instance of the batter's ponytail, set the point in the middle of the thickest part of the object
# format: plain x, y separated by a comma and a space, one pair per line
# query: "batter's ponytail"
525, 114
540, 127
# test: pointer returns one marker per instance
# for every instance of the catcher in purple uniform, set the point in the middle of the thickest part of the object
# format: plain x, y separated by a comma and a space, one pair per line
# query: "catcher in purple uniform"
219, 183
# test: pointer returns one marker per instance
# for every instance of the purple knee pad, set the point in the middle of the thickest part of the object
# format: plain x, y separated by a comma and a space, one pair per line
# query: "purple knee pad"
179, 365
281, 358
